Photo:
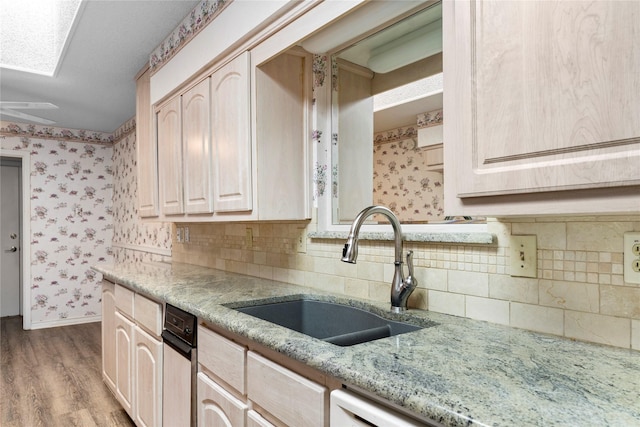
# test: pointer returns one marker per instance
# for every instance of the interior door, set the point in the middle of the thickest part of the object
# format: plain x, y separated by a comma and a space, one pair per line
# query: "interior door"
10, 289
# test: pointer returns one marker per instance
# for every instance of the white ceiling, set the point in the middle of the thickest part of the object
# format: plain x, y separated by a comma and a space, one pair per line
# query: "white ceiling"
95, 87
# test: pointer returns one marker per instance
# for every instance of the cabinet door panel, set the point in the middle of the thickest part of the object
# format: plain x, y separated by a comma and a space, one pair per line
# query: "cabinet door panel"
170, 157
124, 362
148, 379
283, 87
109, 335
217, 407
146, 150
355, 128
230, 109
545, 101
197, 149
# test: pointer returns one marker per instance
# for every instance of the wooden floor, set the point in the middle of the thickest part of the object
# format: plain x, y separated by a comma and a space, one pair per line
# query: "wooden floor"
52, 377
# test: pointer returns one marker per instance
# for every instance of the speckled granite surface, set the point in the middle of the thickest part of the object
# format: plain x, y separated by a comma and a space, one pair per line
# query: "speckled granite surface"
460, 372
457, 237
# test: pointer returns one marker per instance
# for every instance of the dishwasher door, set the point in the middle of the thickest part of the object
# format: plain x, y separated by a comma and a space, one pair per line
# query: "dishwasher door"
178, 386
350, 409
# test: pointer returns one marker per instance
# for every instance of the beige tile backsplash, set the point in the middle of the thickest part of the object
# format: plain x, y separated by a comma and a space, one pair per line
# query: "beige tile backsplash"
579, 291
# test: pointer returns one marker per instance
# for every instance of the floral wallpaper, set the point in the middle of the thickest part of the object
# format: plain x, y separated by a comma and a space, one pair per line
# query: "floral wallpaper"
401, 180
199, 17
71, 222
133, 239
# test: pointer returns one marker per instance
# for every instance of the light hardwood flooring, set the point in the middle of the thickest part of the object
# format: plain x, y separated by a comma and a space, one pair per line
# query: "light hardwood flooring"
52, 377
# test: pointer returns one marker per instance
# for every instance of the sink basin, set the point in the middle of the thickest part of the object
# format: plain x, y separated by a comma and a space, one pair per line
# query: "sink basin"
335, 323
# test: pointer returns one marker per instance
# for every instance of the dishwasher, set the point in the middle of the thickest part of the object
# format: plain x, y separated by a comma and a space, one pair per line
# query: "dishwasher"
354, 410
179, 368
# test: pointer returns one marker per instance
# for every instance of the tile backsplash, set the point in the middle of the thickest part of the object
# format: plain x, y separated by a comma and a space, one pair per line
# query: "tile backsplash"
579, 292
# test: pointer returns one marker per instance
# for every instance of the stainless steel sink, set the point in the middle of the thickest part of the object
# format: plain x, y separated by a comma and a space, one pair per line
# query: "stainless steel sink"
335, 323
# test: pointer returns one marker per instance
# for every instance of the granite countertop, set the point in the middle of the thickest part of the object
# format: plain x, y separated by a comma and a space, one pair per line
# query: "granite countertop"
460, 372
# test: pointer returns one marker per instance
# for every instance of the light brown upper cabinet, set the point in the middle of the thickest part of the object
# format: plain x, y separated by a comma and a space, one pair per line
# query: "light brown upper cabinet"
232, 151
542, 101
146, 150
231, 136
203, 137
169, 134
184, 152
197, 153
283, 105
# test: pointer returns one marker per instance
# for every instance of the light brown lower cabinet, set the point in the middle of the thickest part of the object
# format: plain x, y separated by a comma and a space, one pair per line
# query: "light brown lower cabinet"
132, 352
277, 395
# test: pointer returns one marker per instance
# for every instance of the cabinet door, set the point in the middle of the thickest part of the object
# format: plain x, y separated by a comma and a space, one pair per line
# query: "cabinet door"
283, 102
230, 109
355, 134
109, 335
545, 101
217, 407
197, 149
124, 362
146, 150
148, 379
170, 157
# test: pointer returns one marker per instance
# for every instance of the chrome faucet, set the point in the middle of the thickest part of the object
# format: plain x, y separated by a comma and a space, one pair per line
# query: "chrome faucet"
401, 288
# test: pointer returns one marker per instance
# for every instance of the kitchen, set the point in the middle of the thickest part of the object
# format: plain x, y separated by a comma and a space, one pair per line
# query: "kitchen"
578, 291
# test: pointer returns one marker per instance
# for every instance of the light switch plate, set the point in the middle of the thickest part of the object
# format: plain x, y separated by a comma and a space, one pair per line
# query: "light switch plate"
179, 234
524, 256
186, 235
632, 257
302, 240
248, 237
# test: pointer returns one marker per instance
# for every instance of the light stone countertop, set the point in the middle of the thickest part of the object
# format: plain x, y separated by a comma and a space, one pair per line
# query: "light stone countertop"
459, 372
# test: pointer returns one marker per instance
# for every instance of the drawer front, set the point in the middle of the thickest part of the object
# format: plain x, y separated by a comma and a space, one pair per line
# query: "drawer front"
223, 358
148, 315
124, 300
292, 399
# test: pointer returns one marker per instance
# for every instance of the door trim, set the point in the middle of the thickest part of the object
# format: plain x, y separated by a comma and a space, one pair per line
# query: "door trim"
25, 232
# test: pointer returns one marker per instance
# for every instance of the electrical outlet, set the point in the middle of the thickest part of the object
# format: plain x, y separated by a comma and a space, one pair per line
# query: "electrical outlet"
632, 257
524, 256
248, 238
186, 235
179, 234
302, 240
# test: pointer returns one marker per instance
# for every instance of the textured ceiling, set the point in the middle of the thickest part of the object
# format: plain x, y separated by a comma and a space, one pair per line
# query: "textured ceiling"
95, 87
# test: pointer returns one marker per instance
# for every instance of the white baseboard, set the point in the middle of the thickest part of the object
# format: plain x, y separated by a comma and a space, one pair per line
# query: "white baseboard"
65, 322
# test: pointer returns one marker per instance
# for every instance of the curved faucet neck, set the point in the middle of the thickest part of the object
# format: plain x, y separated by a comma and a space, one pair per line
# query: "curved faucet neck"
386, 212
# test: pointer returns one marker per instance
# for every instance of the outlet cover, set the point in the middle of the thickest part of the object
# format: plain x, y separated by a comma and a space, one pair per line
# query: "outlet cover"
179, 234
187, 237
523, 256
632, 257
